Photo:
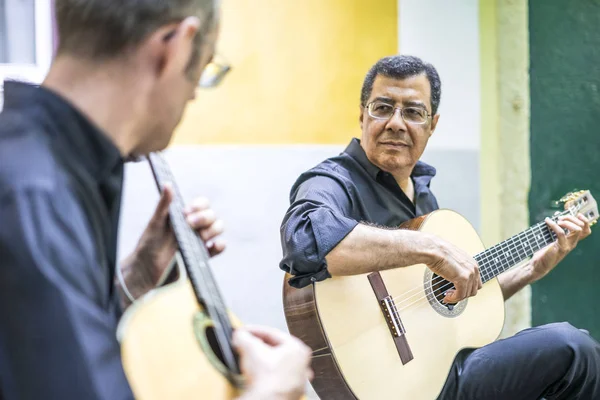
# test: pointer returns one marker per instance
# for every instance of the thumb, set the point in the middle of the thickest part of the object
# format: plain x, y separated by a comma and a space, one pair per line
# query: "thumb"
451, 296
162, 208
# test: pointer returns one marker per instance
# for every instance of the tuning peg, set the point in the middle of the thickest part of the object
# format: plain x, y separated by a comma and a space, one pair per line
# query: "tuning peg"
567, 197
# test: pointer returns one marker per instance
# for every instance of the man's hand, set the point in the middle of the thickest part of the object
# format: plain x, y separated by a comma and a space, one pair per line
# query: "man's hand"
458, 267
157, 245
276, 365
547, 258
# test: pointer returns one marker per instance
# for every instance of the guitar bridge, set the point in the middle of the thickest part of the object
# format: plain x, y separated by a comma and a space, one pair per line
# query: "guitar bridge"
391, 313
392, 318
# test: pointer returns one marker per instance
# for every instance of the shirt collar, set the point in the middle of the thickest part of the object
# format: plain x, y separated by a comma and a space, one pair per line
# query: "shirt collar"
422, 171
92, 148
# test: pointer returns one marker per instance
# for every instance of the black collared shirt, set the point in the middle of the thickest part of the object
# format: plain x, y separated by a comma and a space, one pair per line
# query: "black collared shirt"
329, 200
60, 193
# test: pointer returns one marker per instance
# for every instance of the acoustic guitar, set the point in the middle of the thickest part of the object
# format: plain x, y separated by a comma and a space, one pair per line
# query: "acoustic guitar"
176, 340
388, 334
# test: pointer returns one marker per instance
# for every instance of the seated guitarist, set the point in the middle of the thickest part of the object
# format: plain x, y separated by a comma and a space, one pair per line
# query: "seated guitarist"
341, 219
124, 71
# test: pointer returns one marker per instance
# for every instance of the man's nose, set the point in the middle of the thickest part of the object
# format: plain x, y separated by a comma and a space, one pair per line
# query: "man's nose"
396, 122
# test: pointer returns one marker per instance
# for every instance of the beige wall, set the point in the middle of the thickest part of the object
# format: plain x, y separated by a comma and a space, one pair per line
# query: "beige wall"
505, 161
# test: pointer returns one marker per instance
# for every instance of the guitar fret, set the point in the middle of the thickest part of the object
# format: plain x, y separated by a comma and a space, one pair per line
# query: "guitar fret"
502, 256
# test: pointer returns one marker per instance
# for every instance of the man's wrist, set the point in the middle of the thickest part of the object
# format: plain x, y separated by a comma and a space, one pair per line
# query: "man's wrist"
131, 277
530, 273
425, 249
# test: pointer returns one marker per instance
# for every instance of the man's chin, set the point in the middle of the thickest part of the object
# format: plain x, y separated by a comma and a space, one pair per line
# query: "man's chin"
396, 164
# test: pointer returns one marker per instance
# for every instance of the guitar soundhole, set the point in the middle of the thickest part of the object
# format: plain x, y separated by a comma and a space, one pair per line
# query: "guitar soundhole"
439, 287
214, 344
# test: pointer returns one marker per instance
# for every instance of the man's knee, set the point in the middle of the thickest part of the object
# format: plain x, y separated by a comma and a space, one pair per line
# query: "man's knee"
563, 337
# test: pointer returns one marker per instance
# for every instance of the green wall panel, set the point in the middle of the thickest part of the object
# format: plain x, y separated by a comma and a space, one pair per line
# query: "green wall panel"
565, 147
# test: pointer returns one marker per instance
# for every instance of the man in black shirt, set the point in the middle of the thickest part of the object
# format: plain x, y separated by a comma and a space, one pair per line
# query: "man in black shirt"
123, 74
339, 224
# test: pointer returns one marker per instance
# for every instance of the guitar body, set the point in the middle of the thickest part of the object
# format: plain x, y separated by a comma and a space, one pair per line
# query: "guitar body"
354, 351
165, 350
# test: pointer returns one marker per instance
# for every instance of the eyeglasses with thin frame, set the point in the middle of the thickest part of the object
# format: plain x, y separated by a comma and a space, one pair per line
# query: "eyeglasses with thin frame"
385, 111
214, 72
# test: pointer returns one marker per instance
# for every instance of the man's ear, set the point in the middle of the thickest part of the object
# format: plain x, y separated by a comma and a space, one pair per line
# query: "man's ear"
361, 117
434, 121
172, 45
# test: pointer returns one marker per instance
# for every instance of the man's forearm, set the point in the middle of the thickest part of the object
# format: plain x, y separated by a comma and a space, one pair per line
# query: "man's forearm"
367, 249
515, 279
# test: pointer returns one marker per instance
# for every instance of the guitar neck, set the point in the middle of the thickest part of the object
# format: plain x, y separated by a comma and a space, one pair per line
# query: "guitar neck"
509, 253
196, 261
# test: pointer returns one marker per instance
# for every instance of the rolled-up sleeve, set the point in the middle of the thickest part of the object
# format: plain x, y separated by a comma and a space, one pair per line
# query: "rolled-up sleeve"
316, 221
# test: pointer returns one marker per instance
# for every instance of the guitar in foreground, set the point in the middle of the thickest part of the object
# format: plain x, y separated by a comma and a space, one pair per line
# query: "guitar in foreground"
176, 340
388, 335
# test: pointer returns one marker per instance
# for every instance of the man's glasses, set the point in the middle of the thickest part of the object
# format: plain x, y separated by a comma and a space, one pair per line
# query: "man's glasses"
411, 115
214, 72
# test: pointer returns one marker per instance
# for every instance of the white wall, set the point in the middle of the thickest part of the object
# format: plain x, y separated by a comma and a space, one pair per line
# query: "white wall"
445, 33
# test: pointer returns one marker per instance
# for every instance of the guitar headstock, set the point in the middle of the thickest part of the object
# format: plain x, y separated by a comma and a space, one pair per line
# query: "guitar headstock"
582, 202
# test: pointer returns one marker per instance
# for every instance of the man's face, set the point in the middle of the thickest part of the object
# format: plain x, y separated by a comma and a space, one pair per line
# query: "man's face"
393, 144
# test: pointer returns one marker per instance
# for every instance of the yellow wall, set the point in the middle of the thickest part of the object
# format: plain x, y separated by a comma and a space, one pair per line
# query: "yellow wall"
297, 71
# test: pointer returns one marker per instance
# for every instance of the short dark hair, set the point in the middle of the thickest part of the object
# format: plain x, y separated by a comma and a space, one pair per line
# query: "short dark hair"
402, 67
103, 29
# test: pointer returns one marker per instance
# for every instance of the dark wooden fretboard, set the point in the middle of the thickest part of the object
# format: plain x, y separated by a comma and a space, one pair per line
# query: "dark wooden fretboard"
509, 253
196, 261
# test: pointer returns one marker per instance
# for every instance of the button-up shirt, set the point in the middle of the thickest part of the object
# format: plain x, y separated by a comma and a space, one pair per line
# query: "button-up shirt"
329, 200
60, 192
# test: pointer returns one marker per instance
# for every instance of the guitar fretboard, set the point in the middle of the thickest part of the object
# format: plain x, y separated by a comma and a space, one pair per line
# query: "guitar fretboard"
509, 253
195, 256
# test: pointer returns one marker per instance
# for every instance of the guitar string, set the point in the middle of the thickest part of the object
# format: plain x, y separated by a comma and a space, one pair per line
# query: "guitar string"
432, 295
429, 296
439, 279
483, 269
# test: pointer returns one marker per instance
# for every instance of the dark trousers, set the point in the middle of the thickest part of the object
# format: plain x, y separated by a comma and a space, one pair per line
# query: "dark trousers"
554, 361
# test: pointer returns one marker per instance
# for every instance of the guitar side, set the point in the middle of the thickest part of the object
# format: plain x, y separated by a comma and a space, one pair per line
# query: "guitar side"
161, 338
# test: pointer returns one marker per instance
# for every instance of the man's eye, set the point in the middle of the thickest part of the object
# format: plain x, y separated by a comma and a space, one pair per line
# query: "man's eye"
382, 107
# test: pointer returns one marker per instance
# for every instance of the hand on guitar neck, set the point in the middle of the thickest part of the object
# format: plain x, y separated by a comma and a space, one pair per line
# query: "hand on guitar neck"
143, 269
546, 259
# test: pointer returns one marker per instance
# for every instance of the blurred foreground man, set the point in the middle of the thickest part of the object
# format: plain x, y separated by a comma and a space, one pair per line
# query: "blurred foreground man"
124, 72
